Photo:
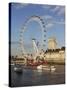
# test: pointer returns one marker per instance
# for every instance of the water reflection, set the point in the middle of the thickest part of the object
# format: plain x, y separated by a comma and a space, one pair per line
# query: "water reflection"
31, 77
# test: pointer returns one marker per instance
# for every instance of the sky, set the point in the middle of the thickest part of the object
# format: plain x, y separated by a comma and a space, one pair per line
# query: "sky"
52, 15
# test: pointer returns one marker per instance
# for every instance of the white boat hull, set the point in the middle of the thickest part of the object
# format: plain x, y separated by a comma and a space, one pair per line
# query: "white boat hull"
48, 68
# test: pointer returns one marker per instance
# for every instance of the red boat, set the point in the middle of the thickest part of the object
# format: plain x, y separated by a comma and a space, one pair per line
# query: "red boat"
32, 63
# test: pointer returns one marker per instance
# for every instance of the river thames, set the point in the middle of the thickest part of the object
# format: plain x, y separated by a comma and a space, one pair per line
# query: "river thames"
31, 77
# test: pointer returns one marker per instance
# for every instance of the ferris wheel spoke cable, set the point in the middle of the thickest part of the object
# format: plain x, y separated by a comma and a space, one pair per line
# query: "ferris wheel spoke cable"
39, 20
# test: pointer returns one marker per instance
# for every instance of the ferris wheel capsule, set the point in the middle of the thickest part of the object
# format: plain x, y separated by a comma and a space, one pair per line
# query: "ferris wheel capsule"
41, 19
41, 23
44, 26
44, 30
44, 35
44, 40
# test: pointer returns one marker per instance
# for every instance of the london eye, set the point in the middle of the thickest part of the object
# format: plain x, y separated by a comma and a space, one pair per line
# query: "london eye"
41, 22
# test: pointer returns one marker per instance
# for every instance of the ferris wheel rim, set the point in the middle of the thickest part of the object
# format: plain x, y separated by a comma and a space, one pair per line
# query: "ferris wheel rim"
41, 23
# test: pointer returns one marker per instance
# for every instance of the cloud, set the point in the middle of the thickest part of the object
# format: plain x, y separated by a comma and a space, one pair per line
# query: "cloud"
48, 20
59, 22
46, 6
55, 9
19, 5
49, 25
51, 21
59, 10
46, 17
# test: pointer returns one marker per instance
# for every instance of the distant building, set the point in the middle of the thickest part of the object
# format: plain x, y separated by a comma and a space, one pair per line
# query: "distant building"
56, 55
52, 44
53, 52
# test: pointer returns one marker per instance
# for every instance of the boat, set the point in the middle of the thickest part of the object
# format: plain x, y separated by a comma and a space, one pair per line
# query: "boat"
52, 68
18, 68
46, 67
39, 67
12, 64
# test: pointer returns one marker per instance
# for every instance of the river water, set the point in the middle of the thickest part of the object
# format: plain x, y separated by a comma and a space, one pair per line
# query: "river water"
31, 77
